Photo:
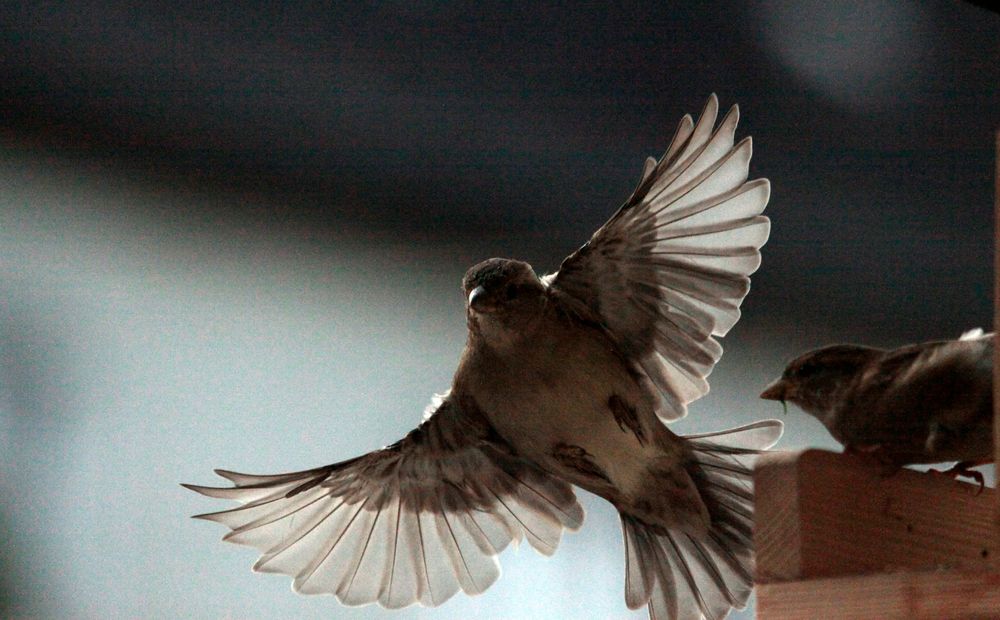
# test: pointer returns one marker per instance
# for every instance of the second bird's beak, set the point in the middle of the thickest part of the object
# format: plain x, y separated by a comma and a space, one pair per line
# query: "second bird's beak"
776, 391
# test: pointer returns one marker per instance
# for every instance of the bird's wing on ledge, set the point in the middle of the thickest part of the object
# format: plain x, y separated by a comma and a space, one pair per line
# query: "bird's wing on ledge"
412, 522
669, 270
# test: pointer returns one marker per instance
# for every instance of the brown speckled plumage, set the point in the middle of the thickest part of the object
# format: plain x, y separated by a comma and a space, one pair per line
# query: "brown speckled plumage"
625, 416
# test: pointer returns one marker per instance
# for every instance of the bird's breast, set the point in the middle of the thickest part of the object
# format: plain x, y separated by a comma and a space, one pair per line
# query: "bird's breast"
568, 400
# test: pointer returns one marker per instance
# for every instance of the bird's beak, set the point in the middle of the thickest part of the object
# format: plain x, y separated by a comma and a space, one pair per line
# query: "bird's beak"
776, 391
479, 300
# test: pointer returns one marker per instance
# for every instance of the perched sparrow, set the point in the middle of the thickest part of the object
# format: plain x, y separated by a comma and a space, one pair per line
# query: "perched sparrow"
923, 403
565, 380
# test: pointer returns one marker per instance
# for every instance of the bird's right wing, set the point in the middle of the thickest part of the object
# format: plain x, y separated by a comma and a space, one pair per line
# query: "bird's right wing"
668, 271
412, 522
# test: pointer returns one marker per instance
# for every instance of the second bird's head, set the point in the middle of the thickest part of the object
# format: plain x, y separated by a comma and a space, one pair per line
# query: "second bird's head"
818, 381
503, 300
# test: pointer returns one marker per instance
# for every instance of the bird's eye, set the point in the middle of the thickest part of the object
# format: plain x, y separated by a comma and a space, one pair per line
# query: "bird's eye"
510, 292
804, 370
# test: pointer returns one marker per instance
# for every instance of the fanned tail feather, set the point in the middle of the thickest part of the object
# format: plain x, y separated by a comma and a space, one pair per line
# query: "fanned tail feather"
682, 576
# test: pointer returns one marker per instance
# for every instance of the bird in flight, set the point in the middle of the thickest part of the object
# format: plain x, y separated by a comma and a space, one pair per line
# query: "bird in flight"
923, 403
566, 379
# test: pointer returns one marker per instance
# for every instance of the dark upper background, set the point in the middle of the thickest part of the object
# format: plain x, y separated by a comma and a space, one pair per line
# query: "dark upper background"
235, 236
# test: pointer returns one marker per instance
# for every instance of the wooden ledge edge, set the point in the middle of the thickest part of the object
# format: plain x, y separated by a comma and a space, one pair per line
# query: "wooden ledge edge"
905, 595
822, 514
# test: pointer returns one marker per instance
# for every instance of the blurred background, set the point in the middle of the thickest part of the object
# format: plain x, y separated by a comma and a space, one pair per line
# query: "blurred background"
234, 238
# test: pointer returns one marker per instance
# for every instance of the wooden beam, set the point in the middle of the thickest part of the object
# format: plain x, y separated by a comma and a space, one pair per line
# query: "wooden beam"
822, 514
996, 329
929, 595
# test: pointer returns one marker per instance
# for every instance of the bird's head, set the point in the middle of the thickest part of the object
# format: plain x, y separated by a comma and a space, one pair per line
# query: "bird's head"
503, 297
816, 381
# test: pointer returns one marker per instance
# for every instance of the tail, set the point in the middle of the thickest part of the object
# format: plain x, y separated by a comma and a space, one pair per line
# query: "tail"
681, 575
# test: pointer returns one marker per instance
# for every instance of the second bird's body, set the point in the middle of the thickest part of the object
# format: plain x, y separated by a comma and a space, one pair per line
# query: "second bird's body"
929, 402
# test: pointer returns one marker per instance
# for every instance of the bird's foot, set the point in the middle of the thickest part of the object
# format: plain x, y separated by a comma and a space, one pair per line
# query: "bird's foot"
964, 469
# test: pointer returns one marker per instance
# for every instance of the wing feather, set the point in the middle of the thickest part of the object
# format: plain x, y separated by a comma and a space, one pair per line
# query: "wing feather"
411, 523
666, 275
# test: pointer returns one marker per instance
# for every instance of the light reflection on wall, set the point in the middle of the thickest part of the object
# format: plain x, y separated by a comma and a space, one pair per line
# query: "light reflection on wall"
863, 55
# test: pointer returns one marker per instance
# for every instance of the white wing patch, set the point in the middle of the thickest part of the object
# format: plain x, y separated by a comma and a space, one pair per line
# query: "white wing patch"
973, 334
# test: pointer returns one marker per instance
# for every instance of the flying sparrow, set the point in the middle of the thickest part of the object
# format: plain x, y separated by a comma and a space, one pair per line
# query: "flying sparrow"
565, 380
923, 403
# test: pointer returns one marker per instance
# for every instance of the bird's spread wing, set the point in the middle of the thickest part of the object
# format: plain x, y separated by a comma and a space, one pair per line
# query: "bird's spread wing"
410, 523
669, 270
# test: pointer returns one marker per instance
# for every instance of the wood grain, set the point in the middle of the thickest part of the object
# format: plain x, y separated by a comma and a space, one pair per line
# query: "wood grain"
822, 514
996, 329
930, 595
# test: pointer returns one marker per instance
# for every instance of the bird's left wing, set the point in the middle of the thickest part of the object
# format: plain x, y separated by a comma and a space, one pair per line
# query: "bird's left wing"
412, 522
668, 272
